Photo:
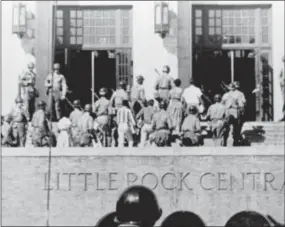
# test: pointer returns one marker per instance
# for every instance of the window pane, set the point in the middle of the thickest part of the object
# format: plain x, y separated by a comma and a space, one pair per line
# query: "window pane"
72, 40
198, 13
59, 31
218, 22
211, 13
79, 23
218, 31
218, 13
73, 23
245, 13
59, 22
198, 31
251, 39
125, 40
79, 40
237, 13
72, 31
265, 12
72, 13
237, 30
59, 14
264, 20
211, 22
251, 30
211, 31
79, 31
225, 21
251, 21
198, 22
225, 13
79, 13
59, 40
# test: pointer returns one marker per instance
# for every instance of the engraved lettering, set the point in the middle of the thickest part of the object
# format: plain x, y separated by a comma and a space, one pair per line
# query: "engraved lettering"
85, 179
182, 181
46, 183
253, 179
268, 178
98, 183
153, 176
131, 178
202, 182
221, 180
163, 181
111, 179
69, 179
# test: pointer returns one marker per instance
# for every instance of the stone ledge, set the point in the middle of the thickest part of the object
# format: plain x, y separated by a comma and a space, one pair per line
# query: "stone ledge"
174, 151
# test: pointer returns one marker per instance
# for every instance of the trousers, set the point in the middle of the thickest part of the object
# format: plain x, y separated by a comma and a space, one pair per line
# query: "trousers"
145, 131
124, 131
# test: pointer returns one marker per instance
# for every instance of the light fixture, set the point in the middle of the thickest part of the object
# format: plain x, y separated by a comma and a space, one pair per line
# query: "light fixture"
161, 18
19, 23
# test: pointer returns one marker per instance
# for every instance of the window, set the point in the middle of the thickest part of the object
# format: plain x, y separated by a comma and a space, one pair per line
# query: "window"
198, 26
215, 26
264, 26
238, 26
125, 26
59, 27
75, 29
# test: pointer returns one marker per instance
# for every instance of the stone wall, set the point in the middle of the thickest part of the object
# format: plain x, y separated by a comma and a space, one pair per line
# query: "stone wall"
85, 183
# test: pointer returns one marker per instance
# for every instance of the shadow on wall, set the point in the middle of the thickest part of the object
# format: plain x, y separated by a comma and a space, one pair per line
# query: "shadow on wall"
170, 41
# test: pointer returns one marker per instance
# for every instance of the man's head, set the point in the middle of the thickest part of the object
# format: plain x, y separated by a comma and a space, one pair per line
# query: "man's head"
138, 205
231, 87
103, 92
162, 105
217, 98
183, 219
41, 105
166, 69
76, 103
56, 67
31, 66
192, 109
177, 82
191, 81
247, 219
88, 108
123, 85
236, 84
150, 102
140, 79
19, 100
125, 103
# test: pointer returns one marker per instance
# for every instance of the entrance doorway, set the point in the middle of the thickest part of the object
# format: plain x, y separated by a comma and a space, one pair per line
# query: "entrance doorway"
79, 78
212, 70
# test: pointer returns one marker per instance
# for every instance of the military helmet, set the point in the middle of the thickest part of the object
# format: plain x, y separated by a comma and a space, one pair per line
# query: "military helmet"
192, 109
41, 104
140, 77
76, 103
103, 91
87, 108
236, 84
137, 205
217, 98
19, 100
231, 86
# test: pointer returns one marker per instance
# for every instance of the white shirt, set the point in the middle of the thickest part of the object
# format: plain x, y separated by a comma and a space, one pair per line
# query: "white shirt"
192, 95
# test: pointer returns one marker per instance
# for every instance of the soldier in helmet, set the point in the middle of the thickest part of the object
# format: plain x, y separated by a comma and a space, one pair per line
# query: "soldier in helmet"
86, 127
164, 84
162, 126
40, 126
137, 206
191, 129
19, 117
235, 104
74, 118
217, 114
119, 95
101, 111
28, 90
138, 95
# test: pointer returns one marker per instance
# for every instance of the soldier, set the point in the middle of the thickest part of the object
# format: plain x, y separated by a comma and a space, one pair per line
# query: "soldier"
217, 114
74, 118
102, 114
162, 126
28, 90
40, 126
126, 125
164, 84
146, 115
86, 127
175, 108
56, 90
191, 129
119, 95
137, 206
138, 95
19, 117
235, 108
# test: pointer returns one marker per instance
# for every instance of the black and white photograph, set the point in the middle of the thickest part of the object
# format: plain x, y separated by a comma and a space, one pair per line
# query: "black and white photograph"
143, 113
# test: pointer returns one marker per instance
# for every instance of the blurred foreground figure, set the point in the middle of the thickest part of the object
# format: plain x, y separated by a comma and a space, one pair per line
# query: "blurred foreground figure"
247, 219
74, 117
191, 129
107, 221
137, 206
183, 219
217, 114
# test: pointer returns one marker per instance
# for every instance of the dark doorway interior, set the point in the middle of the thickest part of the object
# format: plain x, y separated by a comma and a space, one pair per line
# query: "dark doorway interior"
212, 69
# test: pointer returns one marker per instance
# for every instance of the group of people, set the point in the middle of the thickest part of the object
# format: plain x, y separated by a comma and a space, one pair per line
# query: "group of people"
138, 206
127, 118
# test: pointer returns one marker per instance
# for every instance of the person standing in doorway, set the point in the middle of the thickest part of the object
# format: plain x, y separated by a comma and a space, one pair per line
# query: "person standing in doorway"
56, 90
28, 90
164, 84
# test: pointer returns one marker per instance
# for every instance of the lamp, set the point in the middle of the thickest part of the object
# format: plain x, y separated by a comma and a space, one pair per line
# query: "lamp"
19, 23
161, 18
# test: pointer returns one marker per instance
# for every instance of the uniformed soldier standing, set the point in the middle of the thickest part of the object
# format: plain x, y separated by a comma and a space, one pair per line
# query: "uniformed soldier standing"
19, 117
164, 84
56, 90
138, 95
40, 126
191, 129
28, 90
101, 110
86, 127
74, 118
217, 114
162, 126
234, 103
